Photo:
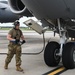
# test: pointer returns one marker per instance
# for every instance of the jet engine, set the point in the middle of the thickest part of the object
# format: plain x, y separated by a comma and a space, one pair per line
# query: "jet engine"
17, 7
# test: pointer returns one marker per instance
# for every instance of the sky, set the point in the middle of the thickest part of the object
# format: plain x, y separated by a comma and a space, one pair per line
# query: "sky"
3, 0
21, 20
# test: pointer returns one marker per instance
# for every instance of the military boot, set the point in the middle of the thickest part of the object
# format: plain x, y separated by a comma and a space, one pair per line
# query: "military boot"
18, 68
6, 66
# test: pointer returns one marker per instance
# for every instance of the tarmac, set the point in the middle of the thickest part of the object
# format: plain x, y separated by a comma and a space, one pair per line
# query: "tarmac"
32, 64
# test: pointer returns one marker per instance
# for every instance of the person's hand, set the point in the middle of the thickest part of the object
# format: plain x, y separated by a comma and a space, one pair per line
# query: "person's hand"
23, 41
17, 41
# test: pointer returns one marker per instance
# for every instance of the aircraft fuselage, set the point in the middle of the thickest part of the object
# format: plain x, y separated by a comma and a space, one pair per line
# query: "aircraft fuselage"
51, 9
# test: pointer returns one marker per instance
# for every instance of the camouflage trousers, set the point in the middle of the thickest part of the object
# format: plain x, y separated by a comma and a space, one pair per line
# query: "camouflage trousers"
14, 49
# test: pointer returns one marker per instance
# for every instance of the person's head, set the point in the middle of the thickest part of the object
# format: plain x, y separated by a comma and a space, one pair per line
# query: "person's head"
16, 24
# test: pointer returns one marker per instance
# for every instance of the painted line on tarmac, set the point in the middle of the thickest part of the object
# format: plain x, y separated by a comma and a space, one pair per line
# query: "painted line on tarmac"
56, 71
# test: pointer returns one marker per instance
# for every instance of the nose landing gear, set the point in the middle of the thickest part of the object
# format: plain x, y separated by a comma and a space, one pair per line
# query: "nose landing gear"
55, 51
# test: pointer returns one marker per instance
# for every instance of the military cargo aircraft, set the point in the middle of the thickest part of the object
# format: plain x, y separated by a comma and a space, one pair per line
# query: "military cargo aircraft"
59, 15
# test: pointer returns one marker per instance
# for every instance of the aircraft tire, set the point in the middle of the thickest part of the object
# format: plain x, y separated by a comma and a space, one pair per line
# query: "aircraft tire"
50, 57
68, 55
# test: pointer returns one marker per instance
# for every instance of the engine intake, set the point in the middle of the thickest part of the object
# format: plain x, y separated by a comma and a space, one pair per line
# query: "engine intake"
19, 8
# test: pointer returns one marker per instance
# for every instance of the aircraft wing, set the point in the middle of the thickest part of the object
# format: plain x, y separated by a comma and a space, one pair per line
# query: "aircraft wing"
3, 6
5, 2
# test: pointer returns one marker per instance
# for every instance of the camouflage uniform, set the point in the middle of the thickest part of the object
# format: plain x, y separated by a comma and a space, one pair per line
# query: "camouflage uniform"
14, 48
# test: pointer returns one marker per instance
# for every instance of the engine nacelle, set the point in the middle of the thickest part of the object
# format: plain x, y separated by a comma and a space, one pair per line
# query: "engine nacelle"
17, 7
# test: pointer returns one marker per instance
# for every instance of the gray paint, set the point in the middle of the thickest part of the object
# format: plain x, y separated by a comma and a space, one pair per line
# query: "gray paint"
6, 15
51, 9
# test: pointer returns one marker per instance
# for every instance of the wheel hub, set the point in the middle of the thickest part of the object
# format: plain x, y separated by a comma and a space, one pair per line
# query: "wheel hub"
55, 54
